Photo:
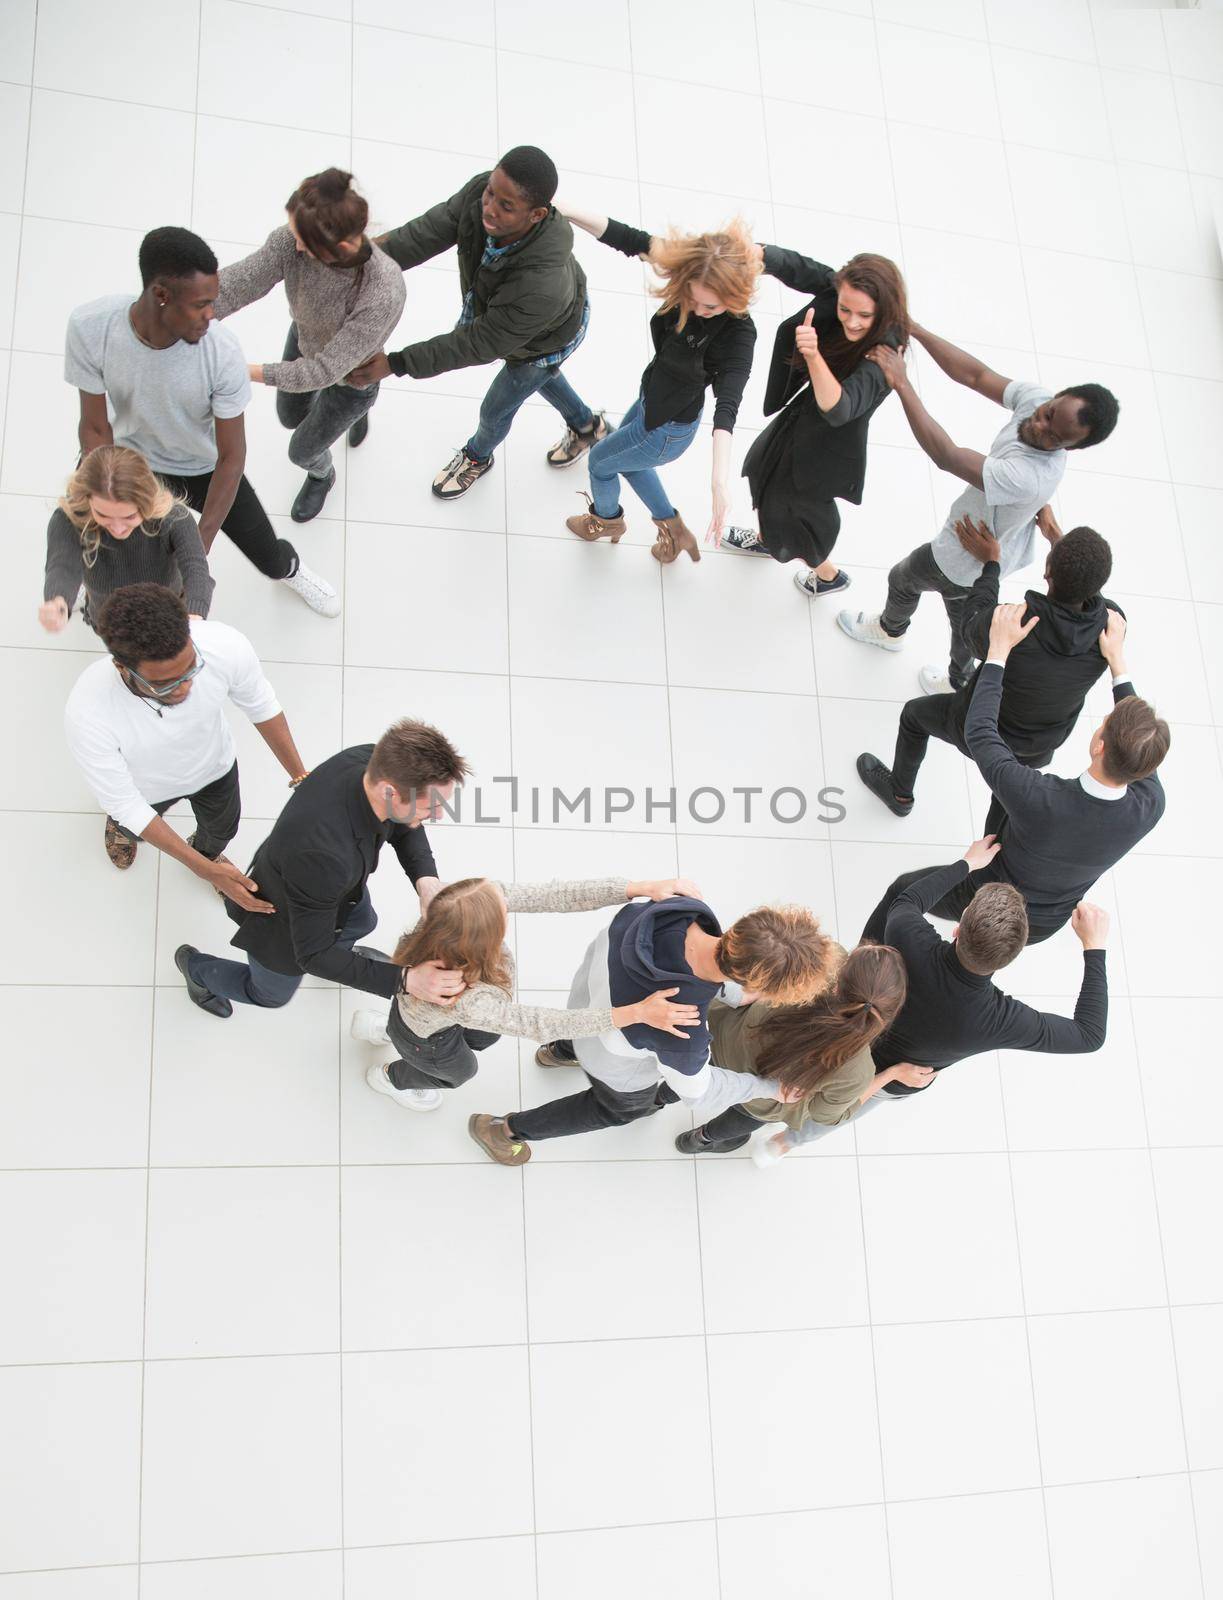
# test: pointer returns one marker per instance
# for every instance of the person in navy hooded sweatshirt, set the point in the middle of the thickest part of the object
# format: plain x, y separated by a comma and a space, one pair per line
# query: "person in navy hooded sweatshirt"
776, 953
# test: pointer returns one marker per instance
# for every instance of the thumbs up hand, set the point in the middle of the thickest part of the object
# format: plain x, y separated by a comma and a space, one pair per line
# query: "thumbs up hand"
806, 340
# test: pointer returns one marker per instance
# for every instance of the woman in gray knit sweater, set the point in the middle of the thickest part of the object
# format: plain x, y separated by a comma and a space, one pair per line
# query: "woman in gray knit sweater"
345, 296
118, 524
464, 929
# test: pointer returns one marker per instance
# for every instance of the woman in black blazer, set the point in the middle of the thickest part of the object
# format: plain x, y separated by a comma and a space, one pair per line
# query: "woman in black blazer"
814, 452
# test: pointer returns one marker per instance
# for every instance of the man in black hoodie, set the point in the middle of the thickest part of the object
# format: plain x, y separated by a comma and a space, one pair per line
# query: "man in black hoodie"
1048, 674
524, 303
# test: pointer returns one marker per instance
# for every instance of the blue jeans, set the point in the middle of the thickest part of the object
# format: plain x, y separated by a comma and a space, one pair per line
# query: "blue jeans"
250, 983
508, 393
634, 451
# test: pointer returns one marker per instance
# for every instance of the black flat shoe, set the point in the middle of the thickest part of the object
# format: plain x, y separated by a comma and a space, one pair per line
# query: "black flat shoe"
878, 779
356, 434
310, 497
214, 1004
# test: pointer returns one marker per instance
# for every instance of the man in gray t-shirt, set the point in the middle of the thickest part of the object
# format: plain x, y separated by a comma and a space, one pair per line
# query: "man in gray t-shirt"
1008, 489
157, 375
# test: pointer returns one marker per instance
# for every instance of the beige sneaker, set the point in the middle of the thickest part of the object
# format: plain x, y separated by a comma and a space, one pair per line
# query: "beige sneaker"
574, 445
459, 474
491, 1134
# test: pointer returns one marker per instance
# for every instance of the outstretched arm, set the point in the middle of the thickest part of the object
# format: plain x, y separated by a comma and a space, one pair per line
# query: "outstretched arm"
960, 366
931, 435
1006, 775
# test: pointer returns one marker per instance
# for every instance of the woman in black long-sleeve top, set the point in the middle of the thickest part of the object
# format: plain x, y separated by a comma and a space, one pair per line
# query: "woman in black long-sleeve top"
703, 338
814, 452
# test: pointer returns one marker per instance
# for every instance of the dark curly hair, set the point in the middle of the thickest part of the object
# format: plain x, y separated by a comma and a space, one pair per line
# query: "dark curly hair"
174, 253
1079, 566
143, 622
1098, 412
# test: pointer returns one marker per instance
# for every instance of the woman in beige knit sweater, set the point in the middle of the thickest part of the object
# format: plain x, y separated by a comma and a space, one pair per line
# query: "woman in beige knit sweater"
464, 929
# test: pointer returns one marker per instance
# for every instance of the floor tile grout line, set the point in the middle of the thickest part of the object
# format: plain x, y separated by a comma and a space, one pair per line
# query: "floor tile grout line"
340, 1005
1119, 888
615, 1527
509, 690
194, 1358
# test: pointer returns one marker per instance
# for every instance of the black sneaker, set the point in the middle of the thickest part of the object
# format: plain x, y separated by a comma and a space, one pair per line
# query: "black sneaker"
815, 587
214, 1004
878, 779
356, 434
310, 497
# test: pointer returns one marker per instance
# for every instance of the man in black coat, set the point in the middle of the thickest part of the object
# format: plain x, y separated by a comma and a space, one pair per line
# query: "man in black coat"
1048, 674
314, 865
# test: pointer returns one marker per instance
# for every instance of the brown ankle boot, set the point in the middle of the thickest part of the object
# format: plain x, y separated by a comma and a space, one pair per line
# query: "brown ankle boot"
590, 527
673, 536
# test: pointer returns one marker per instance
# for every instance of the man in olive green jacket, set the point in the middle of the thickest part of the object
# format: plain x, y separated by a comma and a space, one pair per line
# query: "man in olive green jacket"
524, 303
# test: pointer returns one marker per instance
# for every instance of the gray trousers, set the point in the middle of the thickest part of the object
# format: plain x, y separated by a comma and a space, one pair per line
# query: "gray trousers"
918, 574
319, 416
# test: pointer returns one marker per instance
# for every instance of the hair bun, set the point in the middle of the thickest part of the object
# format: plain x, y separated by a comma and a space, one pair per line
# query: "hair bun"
333, 184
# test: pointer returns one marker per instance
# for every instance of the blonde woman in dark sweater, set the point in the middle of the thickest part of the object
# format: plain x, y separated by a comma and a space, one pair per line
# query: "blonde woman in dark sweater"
118, 524
819, 1053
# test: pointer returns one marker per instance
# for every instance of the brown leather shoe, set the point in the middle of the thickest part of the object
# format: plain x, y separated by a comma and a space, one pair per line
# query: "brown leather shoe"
591, 527
546, 1056
120, 849
674, 535
494, 1138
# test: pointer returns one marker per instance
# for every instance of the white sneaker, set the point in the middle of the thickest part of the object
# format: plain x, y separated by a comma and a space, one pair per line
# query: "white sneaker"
764, 1153
866, 630
933, 681
409, 1099
315, 591
369, 1027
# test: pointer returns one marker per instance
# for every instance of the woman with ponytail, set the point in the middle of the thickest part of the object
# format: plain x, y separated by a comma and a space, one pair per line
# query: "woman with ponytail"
345, 297
819, 1053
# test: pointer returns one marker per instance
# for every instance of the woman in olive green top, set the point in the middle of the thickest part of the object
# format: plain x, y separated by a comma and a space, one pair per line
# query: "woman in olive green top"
820, 1053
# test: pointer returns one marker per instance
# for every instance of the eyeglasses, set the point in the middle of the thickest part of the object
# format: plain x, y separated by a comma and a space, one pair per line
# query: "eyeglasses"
160, 691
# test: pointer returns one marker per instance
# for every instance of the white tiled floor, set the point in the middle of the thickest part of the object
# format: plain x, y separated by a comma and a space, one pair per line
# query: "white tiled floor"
263, 1335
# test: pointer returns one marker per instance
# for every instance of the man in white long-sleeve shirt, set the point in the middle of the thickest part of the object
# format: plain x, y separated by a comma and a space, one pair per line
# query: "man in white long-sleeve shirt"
147, 727
776, 953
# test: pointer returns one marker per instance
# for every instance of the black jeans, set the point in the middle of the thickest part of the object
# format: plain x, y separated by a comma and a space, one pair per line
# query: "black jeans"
246, 523
319, 416
918, 574
597, 1107
731, 1130
953, 904
218, 810
929, 716
441, 1061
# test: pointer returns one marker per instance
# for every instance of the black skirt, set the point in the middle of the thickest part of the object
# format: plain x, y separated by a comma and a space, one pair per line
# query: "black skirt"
793, 526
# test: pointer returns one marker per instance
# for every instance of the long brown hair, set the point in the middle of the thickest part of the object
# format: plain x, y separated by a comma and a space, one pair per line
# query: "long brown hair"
464, 928
880, 278
802, 1045
112, 472
725, 262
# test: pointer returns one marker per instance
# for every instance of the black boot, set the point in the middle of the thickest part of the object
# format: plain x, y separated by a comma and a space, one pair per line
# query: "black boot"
356, 434
310, 497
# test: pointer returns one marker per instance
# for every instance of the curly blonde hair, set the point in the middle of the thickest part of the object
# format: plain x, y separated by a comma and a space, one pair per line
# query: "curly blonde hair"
725, 262
112, 472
